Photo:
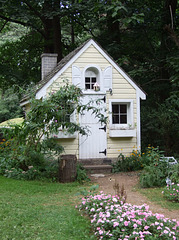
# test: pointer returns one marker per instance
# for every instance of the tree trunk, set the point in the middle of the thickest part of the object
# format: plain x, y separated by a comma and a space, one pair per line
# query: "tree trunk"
57, 37
52, 29
67, 168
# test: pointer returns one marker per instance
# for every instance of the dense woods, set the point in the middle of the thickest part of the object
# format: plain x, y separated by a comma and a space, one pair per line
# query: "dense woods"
142, 36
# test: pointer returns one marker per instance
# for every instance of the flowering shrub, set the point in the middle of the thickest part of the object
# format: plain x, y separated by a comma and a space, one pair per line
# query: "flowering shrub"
134, 162
155, 171
171, 193
34, 142
114, 220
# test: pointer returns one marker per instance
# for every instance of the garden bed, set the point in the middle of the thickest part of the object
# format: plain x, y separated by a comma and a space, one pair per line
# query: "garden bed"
130, 181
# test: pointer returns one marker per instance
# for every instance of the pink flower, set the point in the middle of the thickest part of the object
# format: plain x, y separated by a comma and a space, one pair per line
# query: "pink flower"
100, 232
115, 224
126, 223
108, 214
135, 225
146, 227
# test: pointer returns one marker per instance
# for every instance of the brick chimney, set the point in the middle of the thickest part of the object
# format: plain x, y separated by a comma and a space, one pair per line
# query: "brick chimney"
48, 62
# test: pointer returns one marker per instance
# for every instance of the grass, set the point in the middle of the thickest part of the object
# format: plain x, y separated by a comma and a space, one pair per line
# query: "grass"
156, 196
41, 210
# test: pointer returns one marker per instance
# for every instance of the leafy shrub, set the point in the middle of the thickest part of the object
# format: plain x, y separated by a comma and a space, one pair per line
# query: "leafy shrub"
134, 162
18, 173
31, 143
171, 193
154, 175
174, 173
81, 174
111, 219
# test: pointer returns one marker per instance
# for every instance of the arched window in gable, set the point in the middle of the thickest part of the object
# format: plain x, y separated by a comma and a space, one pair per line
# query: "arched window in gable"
91, 77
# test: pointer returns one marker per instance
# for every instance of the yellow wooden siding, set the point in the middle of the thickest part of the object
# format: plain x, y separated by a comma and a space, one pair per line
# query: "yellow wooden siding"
70, 145
121, 90
118, 145
91, 56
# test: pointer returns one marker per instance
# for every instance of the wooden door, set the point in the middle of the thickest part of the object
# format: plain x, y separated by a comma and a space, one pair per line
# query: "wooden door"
95, 144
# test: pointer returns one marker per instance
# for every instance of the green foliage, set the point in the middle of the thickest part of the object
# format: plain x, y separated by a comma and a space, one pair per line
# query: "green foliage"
9, 105
171, 193
81, 174
155, 195
33, 142
111, 219
154, 171
154, 174
174, 173
134, 162
164, 125
122, 28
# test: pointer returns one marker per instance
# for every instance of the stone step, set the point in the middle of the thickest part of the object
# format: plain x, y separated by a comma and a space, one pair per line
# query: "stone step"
92, 169
95, 161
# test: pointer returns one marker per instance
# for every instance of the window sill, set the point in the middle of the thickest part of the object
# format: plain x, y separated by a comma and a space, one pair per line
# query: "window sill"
65, 135
122, 133
92, 92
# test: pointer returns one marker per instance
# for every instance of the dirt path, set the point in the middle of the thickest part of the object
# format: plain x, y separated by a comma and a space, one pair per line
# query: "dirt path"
130, 180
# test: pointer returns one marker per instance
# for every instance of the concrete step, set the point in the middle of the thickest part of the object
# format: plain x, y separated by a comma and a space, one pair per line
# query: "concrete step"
92, 169
95, 161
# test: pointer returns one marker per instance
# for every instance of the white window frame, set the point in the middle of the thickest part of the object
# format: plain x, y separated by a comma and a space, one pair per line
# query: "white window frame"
62, 133
90, 74
97, 73
130, 119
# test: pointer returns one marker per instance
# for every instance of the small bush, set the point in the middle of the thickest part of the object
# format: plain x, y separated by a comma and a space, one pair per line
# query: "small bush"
174, 173
154, 175
134, 162
81, 174
171, 193
18, 173
155, 171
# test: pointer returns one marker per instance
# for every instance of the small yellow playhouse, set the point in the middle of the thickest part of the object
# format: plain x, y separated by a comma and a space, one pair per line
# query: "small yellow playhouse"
99, 77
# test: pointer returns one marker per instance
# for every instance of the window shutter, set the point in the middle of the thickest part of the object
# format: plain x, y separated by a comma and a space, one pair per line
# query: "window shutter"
76, 76
107, 75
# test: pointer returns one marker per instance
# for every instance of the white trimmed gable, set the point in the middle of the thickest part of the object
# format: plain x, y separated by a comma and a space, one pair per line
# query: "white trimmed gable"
105, 75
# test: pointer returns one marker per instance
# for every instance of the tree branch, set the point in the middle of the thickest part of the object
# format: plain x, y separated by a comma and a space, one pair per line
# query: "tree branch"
34, 10
172, 34
155, 80
86, 29
22, 23
3, 26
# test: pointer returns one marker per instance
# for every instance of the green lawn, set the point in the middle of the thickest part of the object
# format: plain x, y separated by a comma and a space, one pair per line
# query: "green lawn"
40, 210
155, 195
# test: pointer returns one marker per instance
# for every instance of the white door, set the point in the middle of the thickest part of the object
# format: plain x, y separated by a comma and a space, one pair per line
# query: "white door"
95, 144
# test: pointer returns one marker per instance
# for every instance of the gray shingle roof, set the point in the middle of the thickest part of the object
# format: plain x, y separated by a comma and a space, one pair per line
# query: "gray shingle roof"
52, 73
62, 63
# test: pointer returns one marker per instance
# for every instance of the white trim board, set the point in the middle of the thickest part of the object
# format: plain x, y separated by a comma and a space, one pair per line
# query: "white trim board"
42, 91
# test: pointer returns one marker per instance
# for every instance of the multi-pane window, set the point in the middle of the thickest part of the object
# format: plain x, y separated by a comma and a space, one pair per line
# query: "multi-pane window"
91, 77
89, 82
119, 113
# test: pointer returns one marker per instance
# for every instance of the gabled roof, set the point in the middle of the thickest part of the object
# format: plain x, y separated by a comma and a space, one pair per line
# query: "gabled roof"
69, 59
60, 65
